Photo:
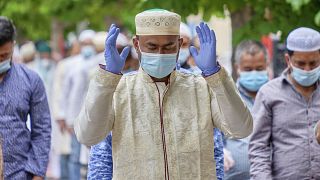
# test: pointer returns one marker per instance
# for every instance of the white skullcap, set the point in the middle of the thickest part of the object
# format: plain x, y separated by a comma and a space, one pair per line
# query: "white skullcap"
157, 22
304, 40
122, 40
28, 50
99, 40
185, 30
86, 35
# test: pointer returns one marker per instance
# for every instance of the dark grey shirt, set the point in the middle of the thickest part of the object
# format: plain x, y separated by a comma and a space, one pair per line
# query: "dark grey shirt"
283, 144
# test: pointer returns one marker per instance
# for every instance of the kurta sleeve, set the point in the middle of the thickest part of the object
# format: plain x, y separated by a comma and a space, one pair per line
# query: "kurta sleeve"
100, 165
96, 118
259, 146
229, 112
40, 131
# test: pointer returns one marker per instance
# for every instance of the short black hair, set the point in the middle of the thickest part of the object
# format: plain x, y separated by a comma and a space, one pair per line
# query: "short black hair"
290, 52
7, 30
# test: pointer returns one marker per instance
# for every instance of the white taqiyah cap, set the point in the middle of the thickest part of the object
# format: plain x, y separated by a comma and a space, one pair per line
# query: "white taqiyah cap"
303, 40
122, 40
28, 50
99, 40
86, 35
157, 22
185, 30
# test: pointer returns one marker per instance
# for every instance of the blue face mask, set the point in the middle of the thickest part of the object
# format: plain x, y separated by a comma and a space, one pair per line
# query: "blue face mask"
253, 80
5, 66
184, 54
87, 51
305, 78
158, 65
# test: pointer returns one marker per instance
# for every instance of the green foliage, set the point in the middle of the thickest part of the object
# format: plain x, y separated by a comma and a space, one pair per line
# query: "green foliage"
317, 18
33, 18
297, 4
284, 18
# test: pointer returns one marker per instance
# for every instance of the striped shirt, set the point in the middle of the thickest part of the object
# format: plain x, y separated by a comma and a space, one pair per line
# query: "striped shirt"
25, 152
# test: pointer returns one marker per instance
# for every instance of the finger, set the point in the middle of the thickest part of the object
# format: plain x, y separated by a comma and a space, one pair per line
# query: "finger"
213, 36
232, 163
207, 30
226, 165
125, 52
199, 34
110, 32
203, 32
112, 25
113, 37
193, 51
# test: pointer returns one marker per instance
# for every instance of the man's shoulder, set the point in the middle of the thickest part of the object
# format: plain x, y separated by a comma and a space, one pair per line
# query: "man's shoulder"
273, 85
25, 76
23, 70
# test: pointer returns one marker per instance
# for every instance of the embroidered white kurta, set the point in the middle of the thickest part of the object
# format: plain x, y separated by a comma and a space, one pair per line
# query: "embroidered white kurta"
152, 140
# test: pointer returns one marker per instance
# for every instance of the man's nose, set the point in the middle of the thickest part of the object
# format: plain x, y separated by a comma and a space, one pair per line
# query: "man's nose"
308, 67
161, 51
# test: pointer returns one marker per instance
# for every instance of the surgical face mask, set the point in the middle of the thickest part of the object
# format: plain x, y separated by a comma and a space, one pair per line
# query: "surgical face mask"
184, 54
253, 80
5, 66
87, 51
158, 65
305, 78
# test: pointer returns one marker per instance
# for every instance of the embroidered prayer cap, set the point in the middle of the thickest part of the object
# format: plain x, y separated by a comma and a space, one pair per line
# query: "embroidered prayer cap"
157, 22
304, 40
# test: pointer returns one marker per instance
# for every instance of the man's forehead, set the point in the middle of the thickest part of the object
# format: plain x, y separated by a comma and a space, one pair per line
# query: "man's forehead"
6, 48
159, 39
301, 56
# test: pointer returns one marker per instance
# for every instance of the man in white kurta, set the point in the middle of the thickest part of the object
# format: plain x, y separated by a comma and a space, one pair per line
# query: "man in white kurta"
162, 120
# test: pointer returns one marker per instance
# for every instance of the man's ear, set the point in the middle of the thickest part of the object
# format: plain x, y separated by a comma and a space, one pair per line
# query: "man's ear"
287, 59
180, 42
135, 42
237, 69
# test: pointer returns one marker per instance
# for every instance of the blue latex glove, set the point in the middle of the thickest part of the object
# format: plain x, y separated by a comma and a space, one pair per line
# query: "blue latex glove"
206, 58
114, 61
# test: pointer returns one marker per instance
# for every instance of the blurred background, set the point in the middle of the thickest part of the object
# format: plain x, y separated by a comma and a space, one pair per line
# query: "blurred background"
49, 41
60, 21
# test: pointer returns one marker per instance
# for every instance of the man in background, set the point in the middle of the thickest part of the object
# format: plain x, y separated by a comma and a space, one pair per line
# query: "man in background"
22, 93
286, 109
251, 66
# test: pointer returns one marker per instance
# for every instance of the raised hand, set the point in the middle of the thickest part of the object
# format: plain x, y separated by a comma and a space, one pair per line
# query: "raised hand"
206, 58
114, 61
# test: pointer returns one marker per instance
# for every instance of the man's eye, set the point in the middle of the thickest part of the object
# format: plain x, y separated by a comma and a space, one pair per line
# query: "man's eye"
169, 48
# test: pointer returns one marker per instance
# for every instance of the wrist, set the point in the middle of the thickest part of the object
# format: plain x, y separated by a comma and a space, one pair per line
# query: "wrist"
104, 67
211, 71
